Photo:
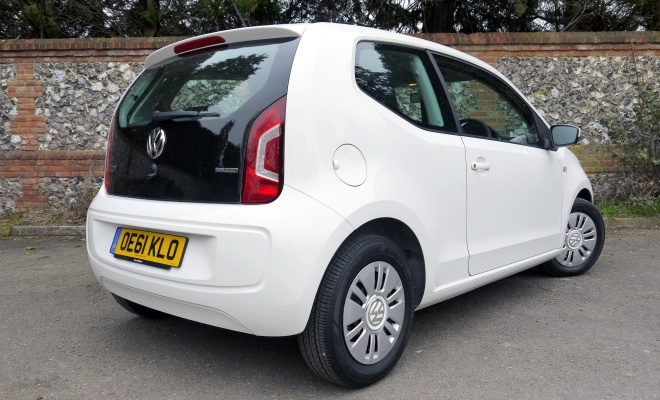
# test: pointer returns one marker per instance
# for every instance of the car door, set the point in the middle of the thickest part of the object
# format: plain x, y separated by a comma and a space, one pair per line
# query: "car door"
513, 184
423, 156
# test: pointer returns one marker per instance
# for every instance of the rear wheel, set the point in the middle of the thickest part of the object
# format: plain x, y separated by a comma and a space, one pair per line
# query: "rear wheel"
585, 236
363, 314
138, 309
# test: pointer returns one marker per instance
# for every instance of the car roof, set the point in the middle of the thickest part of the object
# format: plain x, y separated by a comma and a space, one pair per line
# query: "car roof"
323, 28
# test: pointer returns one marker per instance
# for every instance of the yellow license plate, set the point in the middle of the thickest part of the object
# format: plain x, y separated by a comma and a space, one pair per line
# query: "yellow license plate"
149, 248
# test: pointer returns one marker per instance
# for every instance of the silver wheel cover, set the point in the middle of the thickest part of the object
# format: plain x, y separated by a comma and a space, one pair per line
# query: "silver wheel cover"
580, 241
374, 312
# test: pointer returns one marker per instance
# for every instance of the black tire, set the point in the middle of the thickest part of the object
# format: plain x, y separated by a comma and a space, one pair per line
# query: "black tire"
139, 309
586, 234
323, 344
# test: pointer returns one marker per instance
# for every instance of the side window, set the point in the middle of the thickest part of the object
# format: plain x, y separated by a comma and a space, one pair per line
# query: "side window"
143, 85
485, 105
403, 80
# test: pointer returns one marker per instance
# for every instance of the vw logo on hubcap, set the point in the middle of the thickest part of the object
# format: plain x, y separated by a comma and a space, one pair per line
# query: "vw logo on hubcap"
574, 240
156, 143
376, 312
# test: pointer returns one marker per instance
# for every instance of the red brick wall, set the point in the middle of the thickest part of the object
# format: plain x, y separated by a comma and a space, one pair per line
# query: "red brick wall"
30, 164
489, 46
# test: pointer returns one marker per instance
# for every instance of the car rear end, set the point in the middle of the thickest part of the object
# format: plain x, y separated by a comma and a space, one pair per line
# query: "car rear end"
194, 218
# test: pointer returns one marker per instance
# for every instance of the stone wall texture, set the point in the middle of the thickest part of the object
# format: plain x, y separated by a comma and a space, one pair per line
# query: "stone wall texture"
57, 97
7, 109
63, 192
10, 189
56, 100
78, 101
583, 91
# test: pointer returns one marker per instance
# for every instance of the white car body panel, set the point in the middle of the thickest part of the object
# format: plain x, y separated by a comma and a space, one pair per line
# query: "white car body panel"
575, 181
510, 216
432, 204
257, 268
288, 264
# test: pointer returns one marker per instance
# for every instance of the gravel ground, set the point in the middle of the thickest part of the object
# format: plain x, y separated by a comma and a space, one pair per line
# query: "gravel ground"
529, 336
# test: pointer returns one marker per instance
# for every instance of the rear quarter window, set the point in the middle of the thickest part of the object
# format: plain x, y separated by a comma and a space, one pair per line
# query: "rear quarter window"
404, 80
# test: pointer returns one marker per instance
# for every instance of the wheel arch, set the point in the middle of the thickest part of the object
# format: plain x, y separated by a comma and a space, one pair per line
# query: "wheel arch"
404, 237
585, 194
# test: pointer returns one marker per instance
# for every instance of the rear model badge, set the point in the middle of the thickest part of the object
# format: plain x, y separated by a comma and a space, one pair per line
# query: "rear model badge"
156, 143
226, 170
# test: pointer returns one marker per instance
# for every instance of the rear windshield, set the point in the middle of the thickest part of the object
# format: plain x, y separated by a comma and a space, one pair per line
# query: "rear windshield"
217, 82
181, 128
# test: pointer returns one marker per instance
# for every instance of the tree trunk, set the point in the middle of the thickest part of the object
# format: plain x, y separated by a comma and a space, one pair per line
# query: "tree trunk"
438, 16
654, 24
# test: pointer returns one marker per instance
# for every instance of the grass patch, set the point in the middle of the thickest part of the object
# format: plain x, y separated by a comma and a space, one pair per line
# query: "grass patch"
647, 208
43, 217
8, 220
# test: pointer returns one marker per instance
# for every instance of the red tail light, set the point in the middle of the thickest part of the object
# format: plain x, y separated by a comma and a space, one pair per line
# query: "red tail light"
108, 152
263, 161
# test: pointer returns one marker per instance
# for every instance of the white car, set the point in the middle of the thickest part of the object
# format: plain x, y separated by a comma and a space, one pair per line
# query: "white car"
326, 181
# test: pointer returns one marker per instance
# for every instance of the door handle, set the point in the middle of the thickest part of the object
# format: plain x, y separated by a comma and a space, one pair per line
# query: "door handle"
476, 165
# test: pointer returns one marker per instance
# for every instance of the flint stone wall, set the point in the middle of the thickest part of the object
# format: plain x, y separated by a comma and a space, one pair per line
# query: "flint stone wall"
584, 91
7, 109
10, 189
57, 97
79, 98
78, 101
56, 100
63, 193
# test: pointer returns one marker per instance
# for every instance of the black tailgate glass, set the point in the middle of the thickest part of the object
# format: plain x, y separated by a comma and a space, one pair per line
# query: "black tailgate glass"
180, 129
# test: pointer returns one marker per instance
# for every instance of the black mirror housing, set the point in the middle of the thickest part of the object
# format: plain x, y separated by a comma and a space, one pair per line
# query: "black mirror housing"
564, 135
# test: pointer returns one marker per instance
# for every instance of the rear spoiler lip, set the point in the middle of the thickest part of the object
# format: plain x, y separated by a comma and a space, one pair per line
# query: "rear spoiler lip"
231, 36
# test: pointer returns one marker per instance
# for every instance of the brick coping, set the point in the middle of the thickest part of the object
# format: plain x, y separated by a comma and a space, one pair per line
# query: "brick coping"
504, 38
550, 38
87, 43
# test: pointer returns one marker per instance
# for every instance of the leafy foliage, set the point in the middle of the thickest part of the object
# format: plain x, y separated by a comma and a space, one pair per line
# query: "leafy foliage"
598, 15
104, 18
7, 220
647, 209
636, 143
27, 19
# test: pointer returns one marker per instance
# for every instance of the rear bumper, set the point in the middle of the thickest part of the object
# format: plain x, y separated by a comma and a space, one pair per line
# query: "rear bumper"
249, 268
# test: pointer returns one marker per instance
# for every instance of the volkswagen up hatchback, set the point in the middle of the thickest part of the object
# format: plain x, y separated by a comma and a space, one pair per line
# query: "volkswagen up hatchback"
326, 181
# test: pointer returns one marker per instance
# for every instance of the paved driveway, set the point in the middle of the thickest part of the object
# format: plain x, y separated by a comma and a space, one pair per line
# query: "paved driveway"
529, 336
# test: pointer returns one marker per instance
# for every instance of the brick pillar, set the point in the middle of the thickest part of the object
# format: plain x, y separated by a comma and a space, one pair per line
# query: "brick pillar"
28, 126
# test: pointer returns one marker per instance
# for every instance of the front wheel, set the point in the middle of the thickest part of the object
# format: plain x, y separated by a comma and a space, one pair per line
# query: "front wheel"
363, 314
585, 236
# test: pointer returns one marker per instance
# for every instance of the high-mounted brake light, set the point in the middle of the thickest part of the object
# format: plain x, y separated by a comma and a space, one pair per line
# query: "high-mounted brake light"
263, 159
198, 44
111, 135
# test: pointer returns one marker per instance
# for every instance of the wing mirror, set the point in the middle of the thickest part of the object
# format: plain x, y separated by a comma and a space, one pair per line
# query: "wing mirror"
564, 135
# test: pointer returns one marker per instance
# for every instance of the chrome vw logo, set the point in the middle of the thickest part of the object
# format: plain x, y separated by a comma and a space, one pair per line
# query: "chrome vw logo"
376, 313
156, 143
574, 240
